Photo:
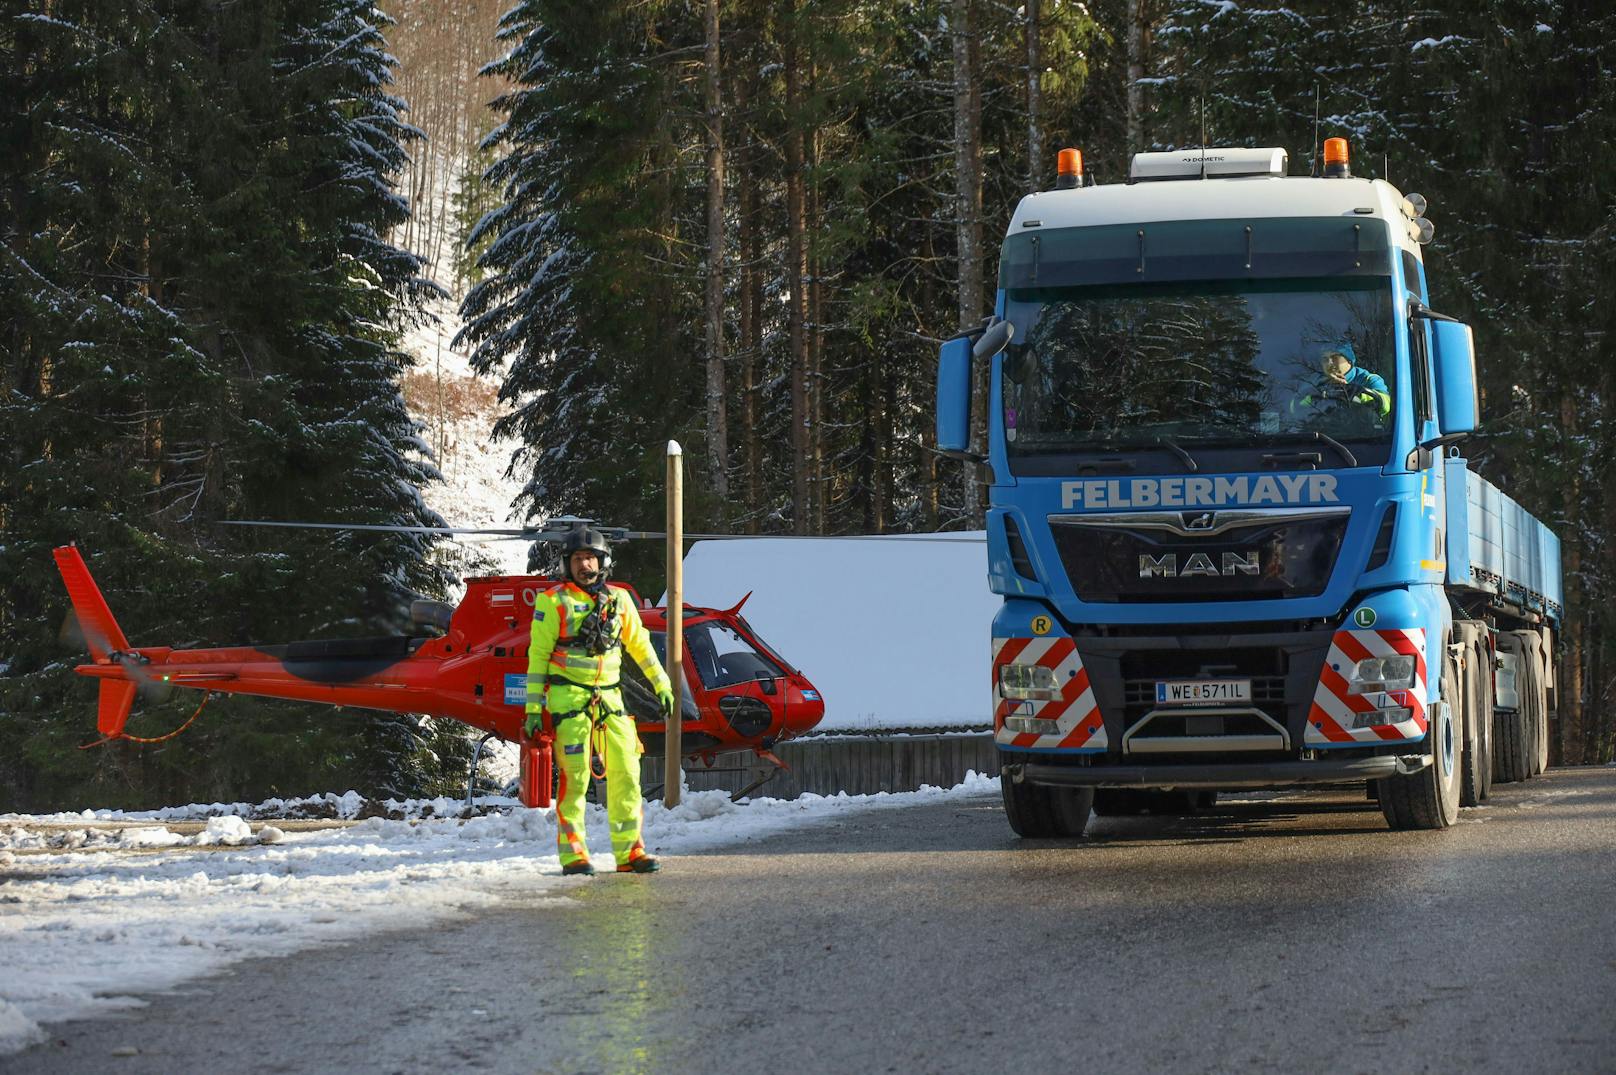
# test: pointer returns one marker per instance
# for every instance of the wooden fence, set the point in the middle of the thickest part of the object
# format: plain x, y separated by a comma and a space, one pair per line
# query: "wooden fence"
858, 765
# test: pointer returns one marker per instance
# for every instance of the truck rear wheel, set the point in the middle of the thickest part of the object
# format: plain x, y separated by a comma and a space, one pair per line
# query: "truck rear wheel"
1429, 799
1478, 721
1038, 810
1511, 727
1540, 697
1531, 692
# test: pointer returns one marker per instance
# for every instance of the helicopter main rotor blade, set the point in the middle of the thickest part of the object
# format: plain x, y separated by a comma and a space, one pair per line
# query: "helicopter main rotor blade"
612, 533
961, 539
507, 532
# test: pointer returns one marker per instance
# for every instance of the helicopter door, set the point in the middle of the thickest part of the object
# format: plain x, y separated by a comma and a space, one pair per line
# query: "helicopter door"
640, 699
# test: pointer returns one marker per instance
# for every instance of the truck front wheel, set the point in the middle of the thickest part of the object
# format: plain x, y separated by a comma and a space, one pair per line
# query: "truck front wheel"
1038, 810
1429, 799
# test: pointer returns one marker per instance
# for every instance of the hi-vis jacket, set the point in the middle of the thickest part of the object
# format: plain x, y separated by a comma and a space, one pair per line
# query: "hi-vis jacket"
569, 672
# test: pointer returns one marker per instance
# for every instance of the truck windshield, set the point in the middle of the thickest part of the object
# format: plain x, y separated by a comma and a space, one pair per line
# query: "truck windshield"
1229, 362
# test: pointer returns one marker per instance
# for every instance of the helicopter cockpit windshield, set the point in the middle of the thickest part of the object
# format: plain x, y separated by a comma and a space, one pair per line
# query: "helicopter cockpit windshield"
723, 656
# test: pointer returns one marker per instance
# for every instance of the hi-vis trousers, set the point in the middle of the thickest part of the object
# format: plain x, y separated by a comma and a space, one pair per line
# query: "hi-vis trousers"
604, 728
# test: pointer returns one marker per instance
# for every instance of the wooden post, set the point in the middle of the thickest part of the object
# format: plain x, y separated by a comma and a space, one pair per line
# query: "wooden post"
673, 775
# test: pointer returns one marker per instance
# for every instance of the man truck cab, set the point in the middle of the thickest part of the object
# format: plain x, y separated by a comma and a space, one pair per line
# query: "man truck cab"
1236, 544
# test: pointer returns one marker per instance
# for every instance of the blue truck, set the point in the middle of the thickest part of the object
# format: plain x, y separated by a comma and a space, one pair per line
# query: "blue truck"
1236, 538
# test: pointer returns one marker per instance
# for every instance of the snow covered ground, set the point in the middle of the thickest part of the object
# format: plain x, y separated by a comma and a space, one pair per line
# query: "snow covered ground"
95, 907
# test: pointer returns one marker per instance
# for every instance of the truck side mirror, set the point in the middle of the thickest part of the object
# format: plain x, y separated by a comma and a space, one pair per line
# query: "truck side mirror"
954, 396
954, 360
1458, 406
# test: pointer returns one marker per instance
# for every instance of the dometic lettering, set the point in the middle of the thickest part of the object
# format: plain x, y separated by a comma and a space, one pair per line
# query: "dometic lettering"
1199, 564
1274, 489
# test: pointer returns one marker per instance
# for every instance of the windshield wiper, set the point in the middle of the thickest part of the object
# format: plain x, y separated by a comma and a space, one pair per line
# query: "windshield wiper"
1309, 435
1115, 450
1176, 449
1275, 439
1346, 453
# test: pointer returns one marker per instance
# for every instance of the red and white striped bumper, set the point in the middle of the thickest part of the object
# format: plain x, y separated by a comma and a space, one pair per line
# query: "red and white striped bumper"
1338, 718
1073, 719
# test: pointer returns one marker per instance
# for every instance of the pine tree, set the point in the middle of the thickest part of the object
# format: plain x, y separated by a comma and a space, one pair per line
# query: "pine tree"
202, 324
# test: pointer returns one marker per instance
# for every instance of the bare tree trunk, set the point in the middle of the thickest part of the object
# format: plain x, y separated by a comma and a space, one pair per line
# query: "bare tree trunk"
796, 279
1567, 744
717, 428
1138, 43
928, 430
816, 336
888, 405
751, 311
968, 218
1035, 95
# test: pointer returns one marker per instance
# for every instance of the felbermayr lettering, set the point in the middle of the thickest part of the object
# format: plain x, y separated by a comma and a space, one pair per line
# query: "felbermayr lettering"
1199, 492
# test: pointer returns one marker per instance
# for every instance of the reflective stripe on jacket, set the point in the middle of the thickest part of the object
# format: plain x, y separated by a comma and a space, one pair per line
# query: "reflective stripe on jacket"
556, 615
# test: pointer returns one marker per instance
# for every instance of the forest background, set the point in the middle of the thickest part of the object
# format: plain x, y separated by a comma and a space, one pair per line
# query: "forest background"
744, 225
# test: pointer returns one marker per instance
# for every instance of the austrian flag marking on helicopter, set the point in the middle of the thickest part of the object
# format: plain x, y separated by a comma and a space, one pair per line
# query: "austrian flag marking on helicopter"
1339, 717
1074, 716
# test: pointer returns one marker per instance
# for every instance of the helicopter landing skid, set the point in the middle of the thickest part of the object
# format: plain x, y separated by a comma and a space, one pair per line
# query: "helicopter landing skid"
471, 777
760, 775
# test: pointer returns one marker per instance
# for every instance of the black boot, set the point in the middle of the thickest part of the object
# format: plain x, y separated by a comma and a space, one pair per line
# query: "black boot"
577, 869
643, 864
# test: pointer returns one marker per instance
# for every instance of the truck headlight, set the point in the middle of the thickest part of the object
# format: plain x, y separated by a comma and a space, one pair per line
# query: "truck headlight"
1028, 682
1382, 674
1377, 717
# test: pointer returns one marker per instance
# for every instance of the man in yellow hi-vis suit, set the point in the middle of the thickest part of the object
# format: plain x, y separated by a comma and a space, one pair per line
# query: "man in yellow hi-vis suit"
580, 630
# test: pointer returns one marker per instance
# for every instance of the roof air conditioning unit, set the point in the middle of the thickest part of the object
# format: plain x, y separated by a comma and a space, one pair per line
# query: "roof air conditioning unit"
1206, 163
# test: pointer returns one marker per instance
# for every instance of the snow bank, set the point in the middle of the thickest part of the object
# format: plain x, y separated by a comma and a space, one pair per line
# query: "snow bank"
894, 632
142, 909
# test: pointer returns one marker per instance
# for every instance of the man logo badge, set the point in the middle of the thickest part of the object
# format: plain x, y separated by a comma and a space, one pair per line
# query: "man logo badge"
1199, 564
1198, 520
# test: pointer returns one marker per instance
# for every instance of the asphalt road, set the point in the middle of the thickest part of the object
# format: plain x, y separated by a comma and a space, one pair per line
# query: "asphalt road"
1293, 934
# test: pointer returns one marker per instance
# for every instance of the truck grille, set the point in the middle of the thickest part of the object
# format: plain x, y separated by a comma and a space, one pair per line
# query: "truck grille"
1111, 561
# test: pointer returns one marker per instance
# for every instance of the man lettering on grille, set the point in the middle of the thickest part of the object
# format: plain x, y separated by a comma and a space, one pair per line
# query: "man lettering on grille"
580, 630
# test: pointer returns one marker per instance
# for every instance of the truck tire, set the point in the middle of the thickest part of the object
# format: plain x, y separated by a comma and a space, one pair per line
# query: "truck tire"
1429, 799
1540, 695
1484, 713
1531, 711
1038, 810
1510, 726
1478, 766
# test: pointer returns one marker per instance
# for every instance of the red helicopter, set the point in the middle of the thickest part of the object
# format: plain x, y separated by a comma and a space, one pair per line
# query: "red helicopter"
469, 662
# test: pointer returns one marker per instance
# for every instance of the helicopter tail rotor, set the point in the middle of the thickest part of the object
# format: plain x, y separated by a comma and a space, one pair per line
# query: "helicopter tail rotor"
106, 643
101, 631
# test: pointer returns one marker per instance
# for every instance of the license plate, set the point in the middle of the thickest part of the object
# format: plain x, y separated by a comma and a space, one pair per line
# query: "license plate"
1202, 691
